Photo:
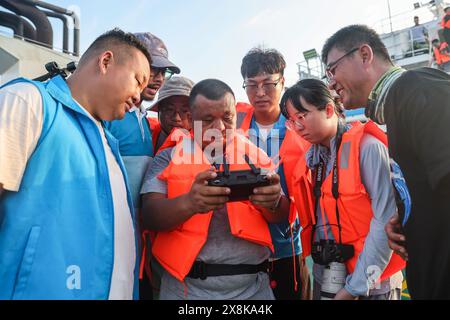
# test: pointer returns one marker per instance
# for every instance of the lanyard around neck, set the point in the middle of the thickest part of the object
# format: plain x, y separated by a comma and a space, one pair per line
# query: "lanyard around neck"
320, 177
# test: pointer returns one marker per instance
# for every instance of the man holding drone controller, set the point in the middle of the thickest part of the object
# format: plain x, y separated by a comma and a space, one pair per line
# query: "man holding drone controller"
211, 247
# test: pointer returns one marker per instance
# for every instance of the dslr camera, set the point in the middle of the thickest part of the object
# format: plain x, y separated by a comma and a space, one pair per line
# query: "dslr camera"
241, 183
327, 251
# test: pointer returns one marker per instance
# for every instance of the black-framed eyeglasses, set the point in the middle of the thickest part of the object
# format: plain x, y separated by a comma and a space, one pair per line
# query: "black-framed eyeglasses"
331, 68
166, 72
266, 86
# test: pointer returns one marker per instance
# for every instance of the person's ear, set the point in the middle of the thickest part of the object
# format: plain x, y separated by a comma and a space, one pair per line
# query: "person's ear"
330, 110
105, 61
366, 53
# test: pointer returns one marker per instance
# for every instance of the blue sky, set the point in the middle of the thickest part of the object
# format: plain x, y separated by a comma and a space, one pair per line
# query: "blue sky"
209, 38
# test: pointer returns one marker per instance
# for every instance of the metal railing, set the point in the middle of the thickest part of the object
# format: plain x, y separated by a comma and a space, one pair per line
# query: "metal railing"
401, 45
311, 69
43, 29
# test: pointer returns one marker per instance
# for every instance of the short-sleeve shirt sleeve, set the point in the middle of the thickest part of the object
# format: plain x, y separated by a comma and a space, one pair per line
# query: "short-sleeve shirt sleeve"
153, 184
21, 118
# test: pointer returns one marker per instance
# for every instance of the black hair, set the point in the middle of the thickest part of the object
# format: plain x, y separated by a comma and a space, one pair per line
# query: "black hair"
314, 92
259, 60
211, 89
112, 39
354, 36
435, 41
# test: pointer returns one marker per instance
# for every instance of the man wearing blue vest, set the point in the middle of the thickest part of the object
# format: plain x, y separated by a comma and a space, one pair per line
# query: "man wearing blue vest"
67, 224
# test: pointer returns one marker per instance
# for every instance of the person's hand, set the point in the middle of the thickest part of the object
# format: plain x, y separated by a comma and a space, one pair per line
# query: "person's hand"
269, 196
203, 198
396, 238
343, 294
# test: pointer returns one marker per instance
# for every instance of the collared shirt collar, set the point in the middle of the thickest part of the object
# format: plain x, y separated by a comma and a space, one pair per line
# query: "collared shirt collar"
142, 109
377, 97
279, 125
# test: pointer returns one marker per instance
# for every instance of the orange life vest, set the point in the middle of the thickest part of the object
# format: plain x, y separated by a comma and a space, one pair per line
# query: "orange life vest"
354, 204
177, 250
442, 54
156, 129
304, 201
446, 21
147, 235
292, 150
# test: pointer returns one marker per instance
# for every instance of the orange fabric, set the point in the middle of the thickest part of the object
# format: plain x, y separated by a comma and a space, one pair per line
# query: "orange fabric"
354, 203
292, 154
442, 54
175, 136
446, 24
155, 128
304, 201
145, 264
177, 250
292, 151
247, 111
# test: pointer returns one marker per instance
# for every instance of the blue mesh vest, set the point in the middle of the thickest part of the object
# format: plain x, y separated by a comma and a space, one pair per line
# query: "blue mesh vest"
57, 232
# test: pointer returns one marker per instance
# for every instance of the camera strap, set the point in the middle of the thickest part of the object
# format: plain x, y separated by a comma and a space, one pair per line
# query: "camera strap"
335, 187
320, 172
320, 177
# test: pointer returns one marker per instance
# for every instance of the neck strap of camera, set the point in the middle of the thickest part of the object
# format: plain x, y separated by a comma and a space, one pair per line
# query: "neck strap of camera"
320, 177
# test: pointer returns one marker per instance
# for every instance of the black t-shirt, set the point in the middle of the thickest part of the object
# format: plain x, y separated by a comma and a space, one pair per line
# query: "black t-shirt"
417, 114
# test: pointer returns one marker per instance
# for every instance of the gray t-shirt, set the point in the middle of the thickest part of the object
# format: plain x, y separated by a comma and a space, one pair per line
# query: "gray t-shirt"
221, 248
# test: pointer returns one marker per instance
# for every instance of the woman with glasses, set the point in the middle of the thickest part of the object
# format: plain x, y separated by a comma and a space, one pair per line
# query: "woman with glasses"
351, 198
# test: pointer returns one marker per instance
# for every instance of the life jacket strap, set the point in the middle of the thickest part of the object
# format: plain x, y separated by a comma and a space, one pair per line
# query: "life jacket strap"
202, 271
